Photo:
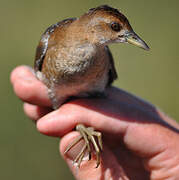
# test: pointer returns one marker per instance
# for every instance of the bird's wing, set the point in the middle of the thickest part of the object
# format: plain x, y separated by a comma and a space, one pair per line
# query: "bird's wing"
112, 70
43, 44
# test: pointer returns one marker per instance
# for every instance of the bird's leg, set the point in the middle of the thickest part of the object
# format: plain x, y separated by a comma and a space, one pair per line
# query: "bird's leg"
88, 134
56, 100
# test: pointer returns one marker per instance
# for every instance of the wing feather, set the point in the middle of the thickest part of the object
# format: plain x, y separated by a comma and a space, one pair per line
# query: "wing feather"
43, 44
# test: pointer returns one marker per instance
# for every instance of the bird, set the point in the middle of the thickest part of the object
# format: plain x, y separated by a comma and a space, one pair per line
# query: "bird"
73, 60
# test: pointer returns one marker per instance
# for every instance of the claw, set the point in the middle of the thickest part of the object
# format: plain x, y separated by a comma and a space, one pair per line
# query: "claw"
77, 140
99, 136
80, 156
88, 134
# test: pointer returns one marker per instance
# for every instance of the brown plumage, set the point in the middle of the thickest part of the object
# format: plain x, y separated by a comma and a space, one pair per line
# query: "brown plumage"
73, 58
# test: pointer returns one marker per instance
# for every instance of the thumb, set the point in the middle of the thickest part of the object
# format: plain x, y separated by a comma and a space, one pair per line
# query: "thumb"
108, 168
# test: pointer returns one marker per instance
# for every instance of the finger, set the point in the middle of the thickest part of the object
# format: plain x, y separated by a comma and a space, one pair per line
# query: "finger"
35, 112
28, 88
63, 120
102, 114
134, 125
106, 170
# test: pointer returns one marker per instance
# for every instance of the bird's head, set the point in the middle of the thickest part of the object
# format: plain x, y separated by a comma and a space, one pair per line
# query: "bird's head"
108, 25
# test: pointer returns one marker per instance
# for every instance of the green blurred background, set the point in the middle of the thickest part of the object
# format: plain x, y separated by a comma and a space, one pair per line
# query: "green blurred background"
153, 75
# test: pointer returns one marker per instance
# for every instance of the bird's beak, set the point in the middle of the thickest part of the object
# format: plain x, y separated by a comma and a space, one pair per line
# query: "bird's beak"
133, 38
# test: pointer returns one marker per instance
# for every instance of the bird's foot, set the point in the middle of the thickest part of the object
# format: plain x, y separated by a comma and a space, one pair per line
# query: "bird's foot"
89, 135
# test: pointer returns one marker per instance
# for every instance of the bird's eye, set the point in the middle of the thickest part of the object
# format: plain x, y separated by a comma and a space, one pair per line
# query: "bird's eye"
115, 26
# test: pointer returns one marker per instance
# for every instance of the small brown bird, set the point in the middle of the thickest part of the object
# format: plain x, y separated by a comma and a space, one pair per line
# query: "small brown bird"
73, 60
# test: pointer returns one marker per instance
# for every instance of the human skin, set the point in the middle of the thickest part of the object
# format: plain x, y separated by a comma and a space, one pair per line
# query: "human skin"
140, 142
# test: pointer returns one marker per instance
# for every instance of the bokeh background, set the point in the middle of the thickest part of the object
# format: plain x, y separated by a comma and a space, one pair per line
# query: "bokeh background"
153, 75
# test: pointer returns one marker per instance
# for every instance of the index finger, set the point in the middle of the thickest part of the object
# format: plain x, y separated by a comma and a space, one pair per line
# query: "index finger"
28, 88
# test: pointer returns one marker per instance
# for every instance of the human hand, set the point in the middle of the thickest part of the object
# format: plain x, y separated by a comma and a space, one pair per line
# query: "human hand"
139, 141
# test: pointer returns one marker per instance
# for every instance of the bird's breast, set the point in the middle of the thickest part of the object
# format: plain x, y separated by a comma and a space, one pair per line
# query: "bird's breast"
75, 64
76, 71
75, 59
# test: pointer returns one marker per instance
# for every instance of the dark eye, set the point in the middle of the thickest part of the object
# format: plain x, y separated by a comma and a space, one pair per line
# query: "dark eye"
115, 26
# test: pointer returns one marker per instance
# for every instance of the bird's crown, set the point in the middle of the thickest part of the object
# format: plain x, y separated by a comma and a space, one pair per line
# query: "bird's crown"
105, 9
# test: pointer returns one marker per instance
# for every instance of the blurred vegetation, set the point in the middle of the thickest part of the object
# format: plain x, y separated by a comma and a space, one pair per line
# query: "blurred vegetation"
153, 75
